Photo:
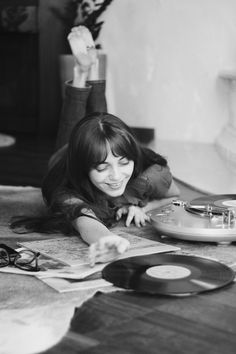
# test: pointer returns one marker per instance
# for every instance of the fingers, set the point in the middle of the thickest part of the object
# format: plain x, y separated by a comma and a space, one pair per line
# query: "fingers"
122, 246
137, 215
107, 248
140, 220
130, 217
97, 255
120, 212
118, 243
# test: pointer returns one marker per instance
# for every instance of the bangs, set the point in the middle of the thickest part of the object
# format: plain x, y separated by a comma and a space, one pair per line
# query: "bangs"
88, 146
97, 153
120, 147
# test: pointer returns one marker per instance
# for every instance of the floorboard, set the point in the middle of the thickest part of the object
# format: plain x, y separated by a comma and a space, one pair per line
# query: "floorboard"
25, 162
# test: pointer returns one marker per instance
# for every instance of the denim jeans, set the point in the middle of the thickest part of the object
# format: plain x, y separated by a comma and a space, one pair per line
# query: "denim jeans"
77, 103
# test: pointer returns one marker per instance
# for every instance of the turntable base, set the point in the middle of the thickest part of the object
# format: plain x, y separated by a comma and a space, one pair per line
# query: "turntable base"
205, 219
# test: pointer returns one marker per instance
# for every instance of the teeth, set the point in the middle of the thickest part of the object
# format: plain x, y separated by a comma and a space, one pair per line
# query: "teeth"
115, 185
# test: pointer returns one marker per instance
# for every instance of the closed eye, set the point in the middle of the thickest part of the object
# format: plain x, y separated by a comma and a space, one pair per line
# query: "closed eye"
124, 161
102, 167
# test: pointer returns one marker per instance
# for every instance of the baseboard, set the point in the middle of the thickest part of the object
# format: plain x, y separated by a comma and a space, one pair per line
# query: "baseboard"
144, 135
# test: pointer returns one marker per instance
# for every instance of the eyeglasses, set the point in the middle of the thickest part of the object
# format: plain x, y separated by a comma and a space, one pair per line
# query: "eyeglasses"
24, 259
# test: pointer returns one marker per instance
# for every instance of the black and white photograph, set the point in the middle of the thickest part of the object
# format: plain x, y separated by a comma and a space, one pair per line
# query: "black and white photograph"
117, 176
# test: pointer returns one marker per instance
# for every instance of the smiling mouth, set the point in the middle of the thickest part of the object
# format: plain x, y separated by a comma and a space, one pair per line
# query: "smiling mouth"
115, 185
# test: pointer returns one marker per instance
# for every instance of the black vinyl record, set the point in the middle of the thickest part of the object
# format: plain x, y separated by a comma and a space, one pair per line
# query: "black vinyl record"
220, 200
168, 274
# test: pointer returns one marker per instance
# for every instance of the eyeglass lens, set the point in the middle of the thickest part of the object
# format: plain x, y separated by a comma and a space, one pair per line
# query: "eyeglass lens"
25, 259
4, 258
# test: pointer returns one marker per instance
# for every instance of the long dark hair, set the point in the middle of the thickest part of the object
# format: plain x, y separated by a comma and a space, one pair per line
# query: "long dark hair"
87, 148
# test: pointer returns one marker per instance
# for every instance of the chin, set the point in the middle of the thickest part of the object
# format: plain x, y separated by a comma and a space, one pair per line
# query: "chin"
116, 193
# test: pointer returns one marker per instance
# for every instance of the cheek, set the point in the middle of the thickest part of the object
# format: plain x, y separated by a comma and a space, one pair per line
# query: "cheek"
96, 177
131, 168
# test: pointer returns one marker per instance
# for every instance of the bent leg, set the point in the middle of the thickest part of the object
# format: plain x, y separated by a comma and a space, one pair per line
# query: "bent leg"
97, 97
74, 109
81, 97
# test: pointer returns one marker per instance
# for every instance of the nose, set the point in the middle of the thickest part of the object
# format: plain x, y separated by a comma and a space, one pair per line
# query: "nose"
115, 173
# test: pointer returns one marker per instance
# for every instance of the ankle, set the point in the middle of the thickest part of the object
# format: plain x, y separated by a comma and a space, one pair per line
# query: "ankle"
79, 77
93, 73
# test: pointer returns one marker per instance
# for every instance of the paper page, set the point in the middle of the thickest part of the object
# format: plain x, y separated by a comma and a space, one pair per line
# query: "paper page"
69, 250
64, 261
65, 285
74, 252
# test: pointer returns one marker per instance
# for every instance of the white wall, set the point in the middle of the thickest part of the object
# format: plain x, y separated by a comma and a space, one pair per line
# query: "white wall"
164, 57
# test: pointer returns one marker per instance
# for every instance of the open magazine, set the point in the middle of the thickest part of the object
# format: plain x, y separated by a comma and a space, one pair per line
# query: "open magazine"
64, 262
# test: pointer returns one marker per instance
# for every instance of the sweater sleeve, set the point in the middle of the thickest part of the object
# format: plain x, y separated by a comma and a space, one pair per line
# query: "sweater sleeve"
60, 198
153, 183
68, 204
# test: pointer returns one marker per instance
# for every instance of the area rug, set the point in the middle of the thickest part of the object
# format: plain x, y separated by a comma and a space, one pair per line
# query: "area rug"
19, 201
16, 200
37, 315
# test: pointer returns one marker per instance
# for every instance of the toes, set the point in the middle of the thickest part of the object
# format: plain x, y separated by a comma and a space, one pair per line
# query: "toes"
77, 44
85, 34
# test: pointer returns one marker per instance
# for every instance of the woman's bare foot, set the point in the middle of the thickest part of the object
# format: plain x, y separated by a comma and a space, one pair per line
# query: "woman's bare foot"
83, 49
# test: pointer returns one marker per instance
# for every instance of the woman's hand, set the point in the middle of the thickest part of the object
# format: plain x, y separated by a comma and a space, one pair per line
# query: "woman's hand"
135, 214
107, 248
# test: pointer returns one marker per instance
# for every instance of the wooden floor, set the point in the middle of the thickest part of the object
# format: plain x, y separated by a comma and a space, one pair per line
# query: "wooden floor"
25, 162
134, 323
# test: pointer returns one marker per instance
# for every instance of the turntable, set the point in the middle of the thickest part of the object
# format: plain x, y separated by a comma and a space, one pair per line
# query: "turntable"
205, 219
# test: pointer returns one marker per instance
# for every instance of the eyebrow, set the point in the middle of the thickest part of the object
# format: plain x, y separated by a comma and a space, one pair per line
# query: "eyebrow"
107, 163
120, 158
102, 163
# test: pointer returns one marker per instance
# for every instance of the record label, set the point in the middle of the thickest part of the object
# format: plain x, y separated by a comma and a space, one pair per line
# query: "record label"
168, 274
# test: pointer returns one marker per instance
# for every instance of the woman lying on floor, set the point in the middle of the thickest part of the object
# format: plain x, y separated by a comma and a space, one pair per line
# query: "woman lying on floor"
100, 173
